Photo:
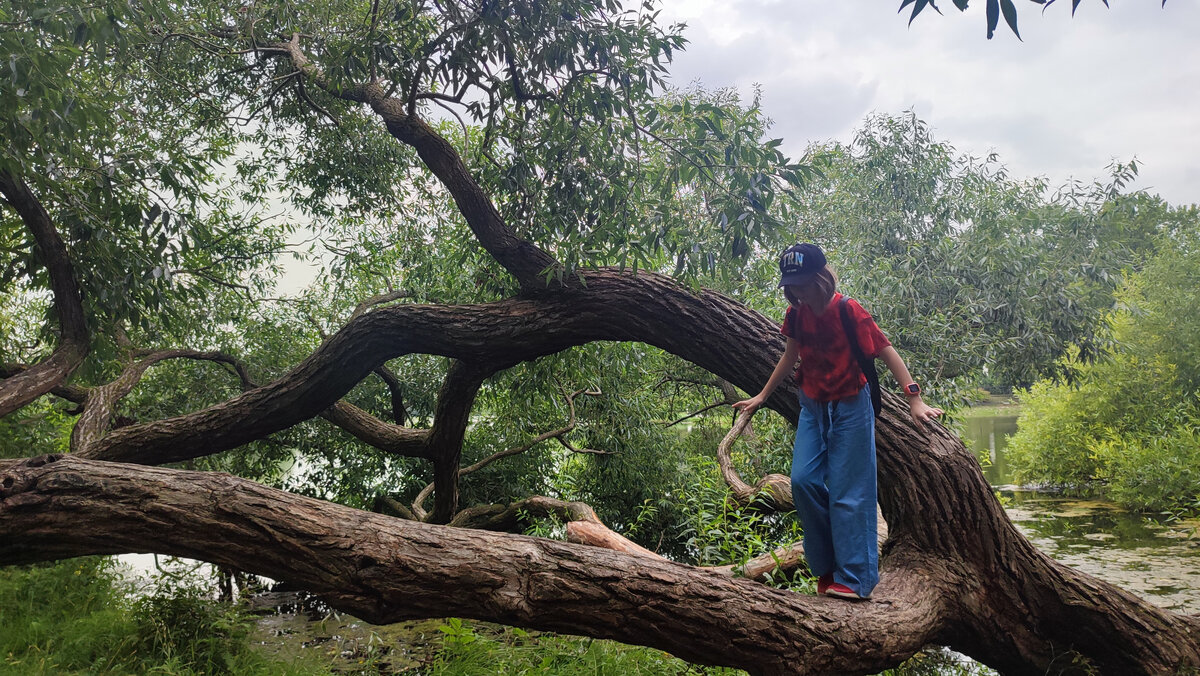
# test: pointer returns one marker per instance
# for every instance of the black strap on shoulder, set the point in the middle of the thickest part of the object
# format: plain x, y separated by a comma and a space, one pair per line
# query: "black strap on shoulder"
867, 365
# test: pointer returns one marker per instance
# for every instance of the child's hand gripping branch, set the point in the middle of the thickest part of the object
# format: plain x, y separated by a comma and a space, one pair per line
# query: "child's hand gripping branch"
920, 411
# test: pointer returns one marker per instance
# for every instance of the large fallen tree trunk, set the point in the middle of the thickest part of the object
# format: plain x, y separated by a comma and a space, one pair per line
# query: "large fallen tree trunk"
385, 570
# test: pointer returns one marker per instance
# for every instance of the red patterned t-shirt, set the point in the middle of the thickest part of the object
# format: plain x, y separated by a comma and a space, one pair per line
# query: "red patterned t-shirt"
827, 368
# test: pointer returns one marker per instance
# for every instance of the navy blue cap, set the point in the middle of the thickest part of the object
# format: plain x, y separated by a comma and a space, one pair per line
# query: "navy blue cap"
800, 263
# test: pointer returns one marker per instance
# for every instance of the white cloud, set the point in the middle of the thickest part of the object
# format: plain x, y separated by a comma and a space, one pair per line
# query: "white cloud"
1076, 94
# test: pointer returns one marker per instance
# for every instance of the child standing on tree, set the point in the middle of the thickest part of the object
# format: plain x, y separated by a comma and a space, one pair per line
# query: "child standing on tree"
833, 459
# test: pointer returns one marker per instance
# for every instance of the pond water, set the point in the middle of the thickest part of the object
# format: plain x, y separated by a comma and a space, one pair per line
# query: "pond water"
1155, 558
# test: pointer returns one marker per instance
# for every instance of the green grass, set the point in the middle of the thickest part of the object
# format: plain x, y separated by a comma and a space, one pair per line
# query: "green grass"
470, 649
482, 649
79, 617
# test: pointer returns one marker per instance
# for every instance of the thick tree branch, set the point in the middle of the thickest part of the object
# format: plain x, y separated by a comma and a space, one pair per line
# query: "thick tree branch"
391, 437
615, 306
72, 393
451, 416
74, 343
100, 405
396, 439
385, 570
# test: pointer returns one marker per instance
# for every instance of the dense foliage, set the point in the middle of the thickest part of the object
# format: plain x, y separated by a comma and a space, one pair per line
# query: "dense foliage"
1128, 421
977, 276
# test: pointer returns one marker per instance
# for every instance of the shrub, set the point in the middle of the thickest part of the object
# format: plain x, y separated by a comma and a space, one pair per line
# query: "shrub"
1128, 421
81, 617
1161, 473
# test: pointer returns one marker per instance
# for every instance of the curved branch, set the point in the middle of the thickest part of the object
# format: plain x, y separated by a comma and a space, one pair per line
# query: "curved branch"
375, 301
738, 345
74, 343
396, 439
450, 419
100, 405
775, 490
391, 437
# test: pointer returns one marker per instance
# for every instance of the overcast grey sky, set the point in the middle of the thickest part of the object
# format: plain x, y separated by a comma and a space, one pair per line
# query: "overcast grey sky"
1075, 95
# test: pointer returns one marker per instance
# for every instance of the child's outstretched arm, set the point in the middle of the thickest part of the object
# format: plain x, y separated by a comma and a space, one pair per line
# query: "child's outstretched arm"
782, 369
921, 412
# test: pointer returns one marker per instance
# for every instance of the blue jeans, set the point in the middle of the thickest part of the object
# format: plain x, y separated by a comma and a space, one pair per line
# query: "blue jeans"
834, 489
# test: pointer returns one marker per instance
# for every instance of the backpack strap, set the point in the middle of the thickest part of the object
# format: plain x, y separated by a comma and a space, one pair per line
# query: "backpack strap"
866, 365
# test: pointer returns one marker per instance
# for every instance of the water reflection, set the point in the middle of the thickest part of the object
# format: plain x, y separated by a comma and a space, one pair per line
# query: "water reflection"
1155, 559
988, 434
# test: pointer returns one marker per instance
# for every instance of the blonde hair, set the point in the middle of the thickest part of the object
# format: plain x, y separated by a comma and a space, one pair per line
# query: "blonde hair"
825, 280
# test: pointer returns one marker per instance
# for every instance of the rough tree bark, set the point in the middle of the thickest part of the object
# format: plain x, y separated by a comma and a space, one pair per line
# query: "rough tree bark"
99, 406
647, 308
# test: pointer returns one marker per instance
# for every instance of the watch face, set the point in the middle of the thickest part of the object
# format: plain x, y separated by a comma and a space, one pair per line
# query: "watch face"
914, 389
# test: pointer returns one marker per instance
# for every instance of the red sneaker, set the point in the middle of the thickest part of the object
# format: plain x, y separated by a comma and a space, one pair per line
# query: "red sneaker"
841, 591
824, 582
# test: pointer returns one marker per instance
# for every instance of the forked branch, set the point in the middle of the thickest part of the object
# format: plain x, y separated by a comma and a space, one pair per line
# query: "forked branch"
99, 407
418, 505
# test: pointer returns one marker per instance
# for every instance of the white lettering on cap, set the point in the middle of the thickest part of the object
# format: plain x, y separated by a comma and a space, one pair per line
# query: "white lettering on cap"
793, 259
